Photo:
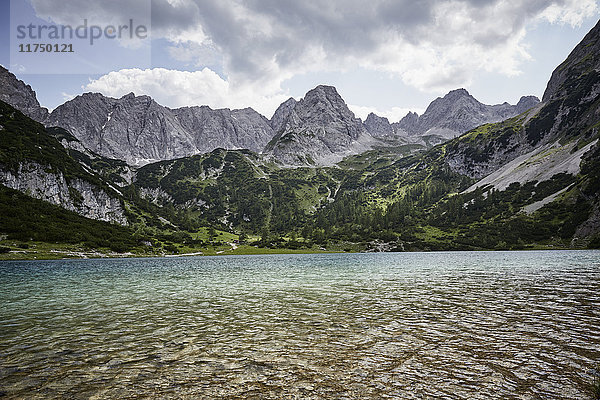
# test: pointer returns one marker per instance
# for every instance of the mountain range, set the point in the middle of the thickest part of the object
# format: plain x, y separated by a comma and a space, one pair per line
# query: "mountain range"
463, 175
458, 112
319, 129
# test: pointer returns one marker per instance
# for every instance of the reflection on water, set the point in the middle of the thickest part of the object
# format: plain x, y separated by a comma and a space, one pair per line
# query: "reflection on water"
501, 325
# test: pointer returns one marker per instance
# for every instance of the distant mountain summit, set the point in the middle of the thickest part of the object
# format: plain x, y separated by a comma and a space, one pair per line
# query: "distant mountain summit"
457, 112
445, 118
320, 129
379, 126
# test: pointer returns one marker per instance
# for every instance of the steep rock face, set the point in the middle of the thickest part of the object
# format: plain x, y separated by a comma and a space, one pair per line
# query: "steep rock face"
408, 123
379, 127
114, 171
582, 60
138, 130
20, 95
75, 195
281, 114
230, 129
565, 124
85, 117
135, 129
458, 112
33, 161
540, 164
320, 130
525, 103
478, 160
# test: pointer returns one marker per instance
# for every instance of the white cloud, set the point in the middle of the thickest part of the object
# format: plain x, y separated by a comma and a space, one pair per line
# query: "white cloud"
572, 12
433, 45
174, 89
198, 55
67, 96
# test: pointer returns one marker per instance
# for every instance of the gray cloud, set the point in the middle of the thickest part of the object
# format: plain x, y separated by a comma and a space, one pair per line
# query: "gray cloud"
75, 11
273, 39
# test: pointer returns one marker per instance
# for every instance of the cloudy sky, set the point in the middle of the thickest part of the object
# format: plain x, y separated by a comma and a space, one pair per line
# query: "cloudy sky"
387, 56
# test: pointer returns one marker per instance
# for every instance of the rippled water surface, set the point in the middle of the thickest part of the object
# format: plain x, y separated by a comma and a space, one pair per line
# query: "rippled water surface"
500, 325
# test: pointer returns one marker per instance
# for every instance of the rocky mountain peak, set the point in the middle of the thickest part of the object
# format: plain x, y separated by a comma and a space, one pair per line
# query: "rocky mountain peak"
457, 112
525, 103
452, 99
457, 93
138, 130
131, 98
322, 106
92, 96
281, 114
20, 95
372, 117
378, 126
585, 57
323, 90
320, 129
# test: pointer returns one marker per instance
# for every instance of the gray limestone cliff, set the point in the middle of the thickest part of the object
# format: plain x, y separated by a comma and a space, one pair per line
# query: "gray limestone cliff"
138, 130
224, 128
281, 114
76, 195
134, 129
21, 96
379, 126
582, 60
319, 130
554, 136
457, 112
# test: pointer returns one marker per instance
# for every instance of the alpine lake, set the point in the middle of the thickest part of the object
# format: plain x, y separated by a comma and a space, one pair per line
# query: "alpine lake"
445, 325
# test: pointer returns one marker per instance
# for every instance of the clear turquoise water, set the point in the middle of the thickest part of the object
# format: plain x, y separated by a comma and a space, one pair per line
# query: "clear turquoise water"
498, 325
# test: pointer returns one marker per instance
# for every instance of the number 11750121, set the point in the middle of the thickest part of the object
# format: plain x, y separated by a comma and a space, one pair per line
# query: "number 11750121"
46, 48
